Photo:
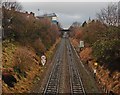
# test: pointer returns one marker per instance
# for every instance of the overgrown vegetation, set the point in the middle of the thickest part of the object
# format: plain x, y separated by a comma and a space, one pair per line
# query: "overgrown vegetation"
25, 39
26, 29
103, 35
107, 49
102, 46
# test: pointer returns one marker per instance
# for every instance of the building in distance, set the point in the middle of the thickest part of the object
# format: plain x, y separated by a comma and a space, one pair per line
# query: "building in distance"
53, 17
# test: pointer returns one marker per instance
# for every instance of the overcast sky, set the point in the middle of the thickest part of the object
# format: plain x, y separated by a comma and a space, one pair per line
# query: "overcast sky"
68, 12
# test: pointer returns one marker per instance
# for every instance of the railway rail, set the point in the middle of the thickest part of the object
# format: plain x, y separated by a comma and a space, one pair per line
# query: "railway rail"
52, 86
53, 83
75, 80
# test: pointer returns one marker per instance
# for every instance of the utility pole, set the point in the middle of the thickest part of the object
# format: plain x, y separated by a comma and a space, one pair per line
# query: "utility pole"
38, 12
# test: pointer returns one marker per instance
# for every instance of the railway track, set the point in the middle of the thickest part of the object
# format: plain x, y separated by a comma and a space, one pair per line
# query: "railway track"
54, 80
52, 86
75, 80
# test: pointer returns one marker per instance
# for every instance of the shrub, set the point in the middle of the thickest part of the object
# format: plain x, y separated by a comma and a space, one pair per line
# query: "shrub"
106, 51
39, 46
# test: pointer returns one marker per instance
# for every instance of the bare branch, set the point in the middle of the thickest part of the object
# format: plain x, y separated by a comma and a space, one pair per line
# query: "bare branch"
9, 5
109, 15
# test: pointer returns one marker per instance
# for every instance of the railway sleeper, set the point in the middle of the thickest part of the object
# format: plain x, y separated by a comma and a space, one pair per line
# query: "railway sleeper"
52, 88
77, 88
50, 92
77, 91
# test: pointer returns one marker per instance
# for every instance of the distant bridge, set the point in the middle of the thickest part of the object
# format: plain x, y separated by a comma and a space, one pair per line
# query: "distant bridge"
65, 30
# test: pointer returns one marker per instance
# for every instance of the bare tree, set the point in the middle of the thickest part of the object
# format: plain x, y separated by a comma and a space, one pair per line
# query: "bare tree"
109, 15
9, 5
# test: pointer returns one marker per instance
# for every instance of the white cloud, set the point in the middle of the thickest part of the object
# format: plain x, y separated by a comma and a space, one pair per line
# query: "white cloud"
73, 16
67, 12
76, 17
66, 20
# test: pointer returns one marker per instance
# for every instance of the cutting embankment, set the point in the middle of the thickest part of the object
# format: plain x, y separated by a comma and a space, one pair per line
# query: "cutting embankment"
26, 38
100, 52
21, 67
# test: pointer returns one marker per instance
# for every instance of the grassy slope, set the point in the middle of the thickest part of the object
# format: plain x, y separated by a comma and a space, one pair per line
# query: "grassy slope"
110, 82
16, 56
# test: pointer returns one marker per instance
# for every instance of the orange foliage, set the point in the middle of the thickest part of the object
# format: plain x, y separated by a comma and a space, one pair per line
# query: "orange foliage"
39, 46
85, 55
78, 34
75, 42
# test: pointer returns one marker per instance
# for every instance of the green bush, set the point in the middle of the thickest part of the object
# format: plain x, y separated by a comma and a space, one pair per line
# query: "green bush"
106, 50
92, 32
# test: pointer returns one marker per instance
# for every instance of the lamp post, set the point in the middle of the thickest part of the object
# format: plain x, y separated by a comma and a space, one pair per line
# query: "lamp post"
38, 12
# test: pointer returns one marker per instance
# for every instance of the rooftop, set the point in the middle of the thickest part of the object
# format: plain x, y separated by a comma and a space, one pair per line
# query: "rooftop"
49, 15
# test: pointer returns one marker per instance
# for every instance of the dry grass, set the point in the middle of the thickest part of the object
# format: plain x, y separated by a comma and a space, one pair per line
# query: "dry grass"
23, 61
85, 55
26, 67
110, 82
